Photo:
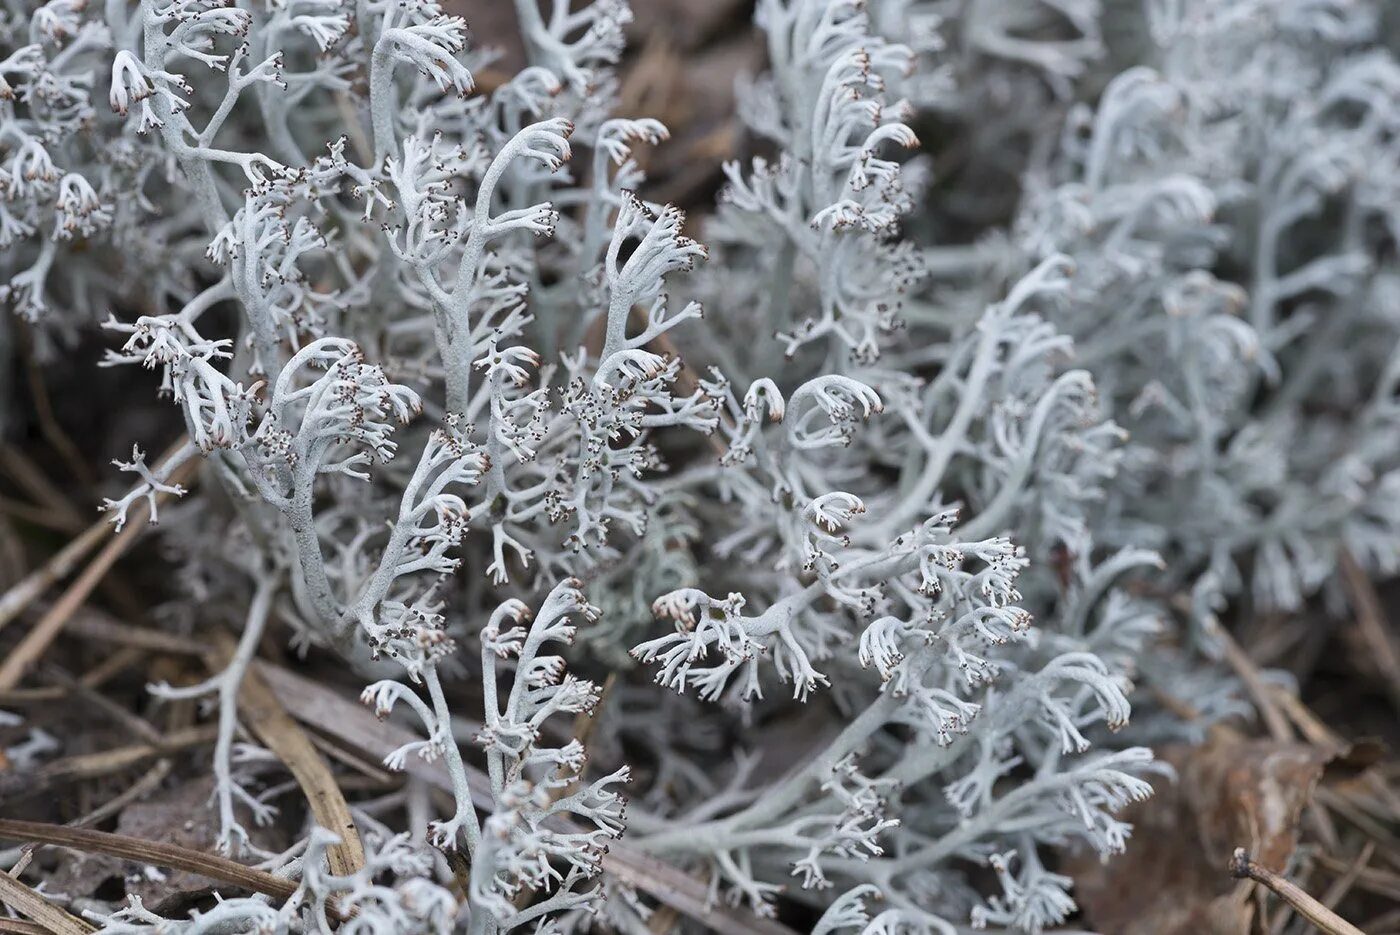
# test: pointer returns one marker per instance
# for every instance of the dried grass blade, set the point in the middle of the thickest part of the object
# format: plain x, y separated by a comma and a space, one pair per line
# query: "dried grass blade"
262, 712
37, 640
27, 902
149, 852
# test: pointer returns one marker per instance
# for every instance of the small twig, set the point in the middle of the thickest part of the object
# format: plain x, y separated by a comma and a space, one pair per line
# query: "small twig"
26, 901
1322, 918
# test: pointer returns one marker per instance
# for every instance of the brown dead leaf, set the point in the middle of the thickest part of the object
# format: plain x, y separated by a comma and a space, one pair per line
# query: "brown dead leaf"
1230, 792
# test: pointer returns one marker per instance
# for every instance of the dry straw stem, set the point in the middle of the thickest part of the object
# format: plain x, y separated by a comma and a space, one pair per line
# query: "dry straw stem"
58, 512
1371, 879
1322, 918
263, 714
37, 640
94, 624
27, 902
324, 710
28, 589
1375, 627
147, 784
99, 675
149, 852
39, 488
1343, 884
1244, 667
36, 515
135, 725
93, 765
49, 426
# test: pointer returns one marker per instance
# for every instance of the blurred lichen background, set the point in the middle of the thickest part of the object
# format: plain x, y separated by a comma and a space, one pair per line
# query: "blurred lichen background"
897, 467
